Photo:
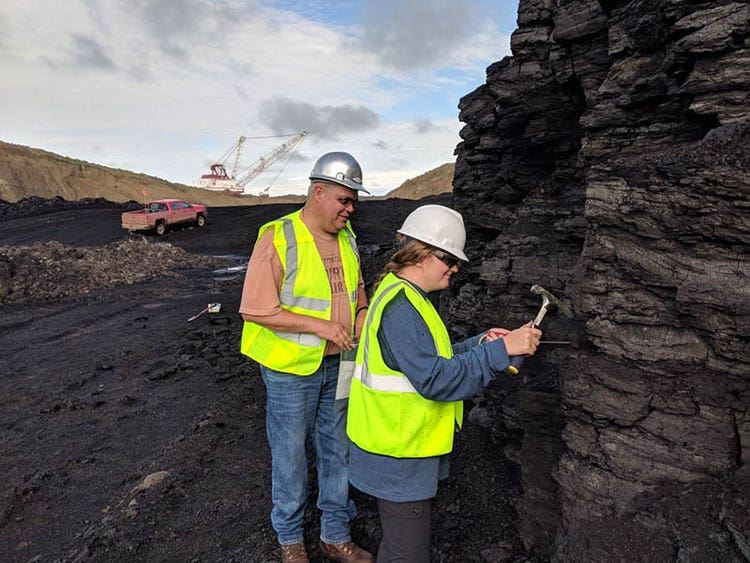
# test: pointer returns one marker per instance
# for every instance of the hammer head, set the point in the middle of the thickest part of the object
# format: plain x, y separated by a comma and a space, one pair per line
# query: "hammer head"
549, 299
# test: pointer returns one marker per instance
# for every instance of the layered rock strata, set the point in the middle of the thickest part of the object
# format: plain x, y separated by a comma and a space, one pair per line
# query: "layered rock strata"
609, 161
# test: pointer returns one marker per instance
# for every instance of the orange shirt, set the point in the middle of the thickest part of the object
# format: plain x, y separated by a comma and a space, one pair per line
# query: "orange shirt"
260, 293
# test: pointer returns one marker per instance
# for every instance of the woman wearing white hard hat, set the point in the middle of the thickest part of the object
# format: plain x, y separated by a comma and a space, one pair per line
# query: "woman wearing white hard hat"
409, 382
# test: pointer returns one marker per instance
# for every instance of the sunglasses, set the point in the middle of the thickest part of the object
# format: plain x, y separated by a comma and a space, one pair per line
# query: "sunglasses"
447, 259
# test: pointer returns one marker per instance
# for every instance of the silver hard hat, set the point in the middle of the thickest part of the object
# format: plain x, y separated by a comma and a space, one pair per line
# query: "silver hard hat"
340, 168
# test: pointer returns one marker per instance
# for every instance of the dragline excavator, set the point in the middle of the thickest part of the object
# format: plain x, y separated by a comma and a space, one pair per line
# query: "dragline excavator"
221, 181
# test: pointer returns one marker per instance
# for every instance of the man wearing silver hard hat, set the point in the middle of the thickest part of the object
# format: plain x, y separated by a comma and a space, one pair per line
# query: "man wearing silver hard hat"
303, 302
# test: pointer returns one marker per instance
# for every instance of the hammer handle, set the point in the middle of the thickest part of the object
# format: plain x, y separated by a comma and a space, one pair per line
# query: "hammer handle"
515, 365
539, 317
517, 361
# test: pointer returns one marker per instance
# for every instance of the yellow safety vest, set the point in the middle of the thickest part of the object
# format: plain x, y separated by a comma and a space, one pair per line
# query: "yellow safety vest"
386, 414
305, 289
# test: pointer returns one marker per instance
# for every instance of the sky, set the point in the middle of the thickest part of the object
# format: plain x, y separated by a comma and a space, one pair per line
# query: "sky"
166, 87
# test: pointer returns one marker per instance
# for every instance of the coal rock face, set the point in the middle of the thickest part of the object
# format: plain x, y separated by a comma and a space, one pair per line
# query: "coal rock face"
608, 160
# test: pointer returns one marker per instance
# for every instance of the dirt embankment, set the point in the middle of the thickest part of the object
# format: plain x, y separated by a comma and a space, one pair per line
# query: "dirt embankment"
435, 182
27, 172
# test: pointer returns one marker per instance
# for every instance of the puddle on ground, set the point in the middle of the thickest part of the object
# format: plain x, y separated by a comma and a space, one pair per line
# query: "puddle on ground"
232, 272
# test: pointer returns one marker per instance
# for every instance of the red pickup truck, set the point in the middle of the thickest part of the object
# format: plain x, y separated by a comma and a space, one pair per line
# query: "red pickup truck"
162, 213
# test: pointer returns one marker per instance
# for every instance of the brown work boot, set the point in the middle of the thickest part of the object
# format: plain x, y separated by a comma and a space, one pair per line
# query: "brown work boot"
347, 552
294, 553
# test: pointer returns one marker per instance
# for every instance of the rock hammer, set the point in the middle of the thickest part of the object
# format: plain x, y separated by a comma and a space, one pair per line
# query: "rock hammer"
548, 301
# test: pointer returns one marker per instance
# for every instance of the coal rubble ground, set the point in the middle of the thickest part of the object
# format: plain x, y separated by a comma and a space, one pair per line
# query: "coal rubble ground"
130, 434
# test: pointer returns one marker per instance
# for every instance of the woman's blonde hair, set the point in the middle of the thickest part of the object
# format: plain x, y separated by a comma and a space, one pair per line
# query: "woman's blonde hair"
410, 252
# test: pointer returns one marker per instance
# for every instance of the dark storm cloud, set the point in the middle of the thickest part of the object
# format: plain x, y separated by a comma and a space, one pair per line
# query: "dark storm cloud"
283, 116
412, 34
87, 52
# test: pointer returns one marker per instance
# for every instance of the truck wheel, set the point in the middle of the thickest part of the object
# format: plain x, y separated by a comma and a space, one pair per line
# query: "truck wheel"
161, 228
200, 220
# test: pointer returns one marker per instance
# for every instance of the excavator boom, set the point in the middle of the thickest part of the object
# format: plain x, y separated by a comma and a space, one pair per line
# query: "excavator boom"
252, 172
219, 180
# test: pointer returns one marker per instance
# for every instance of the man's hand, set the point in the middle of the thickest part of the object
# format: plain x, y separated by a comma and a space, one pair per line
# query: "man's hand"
296, 322
334, 332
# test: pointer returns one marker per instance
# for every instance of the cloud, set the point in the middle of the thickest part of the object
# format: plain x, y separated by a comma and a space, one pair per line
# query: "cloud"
241, 91
283, 116
179, 25
248, 67
95, 14
417, 34
87, 52
3, 34
297, 156
423, 126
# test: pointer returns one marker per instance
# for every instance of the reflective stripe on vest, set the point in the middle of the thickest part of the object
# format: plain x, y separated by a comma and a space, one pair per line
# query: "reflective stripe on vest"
383, 382
287, 296
301, 353
386, 414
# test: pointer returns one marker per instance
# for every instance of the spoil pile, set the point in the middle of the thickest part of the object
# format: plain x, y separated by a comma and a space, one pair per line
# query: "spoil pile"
51, 270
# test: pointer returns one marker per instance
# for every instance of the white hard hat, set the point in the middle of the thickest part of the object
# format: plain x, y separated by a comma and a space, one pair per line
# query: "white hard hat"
340, 168
437, 226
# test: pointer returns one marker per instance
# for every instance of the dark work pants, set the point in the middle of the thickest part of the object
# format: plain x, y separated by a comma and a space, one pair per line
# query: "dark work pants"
406, 531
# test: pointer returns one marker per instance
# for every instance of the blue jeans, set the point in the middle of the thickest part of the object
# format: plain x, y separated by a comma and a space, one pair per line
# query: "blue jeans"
298, 407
